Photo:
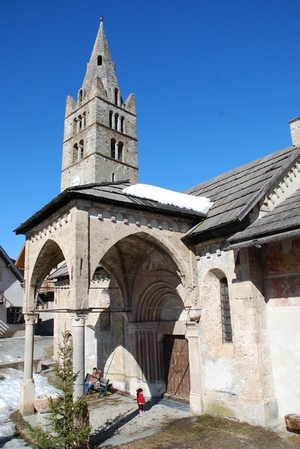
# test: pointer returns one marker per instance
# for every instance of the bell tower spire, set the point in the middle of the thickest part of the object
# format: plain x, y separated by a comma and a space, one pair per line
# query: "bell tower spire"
102, 66
100, 142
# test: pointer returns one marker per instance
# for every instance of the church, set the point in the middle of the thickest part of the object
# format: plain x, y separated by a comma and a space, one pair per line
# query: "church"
193, 296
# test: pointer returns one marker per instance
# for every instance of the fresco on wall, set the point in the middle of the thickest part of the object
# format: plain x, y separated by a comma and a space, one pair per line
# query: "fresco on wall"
282, 272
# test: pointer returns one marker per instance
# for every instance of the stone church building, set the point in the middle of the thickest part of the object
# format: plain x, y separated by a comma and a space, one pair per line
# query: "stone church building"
198, 306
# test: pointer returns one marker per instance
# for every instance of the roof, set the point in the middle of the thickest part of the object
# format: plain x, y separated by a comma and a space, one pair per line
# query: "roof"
20, 261
109, 193
60, 272
10, 265
237, 191
283, 220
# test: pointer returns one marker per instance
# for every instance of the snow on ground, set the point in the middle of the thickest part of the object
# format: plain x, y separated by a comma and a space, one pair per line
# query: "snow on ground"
10, 390
164, 196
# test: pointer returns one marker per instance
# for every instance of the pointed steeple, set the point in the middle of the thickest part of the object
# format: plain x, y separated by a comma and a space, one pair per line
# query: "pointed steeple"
100, 141
101, 66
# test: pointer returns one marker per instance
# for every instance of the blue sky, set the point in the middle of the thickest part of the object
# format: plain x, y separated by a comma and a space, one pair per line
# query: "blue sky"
215, 82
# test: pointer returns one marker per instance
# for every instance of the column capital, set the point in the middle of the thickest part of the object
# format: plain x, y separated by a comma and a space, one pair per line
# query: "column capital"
79, 314
194, 313
30, 317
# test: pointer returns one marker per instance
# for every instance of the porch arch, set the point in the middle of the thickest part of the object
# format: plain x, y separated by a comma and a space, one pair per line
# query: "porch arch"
49, 257
146, 303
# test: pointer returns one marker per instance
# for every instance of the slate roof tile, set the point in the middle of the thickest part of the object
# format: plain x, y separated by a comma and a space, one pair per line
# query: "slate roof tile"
237, 191
283, 217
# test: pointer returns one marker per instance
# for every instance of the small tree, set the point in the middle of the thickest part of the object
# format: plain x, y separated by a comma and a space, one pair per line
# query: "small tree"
69, 418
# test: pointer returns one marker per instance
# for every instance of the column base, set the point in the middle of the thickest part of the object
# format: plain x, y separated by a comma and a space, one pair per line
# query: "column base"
196, 403
27, 397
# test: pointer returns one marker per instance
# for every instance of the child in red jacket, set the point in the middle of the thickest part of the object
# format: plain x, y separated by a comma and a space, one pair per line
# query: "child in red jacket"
140, 399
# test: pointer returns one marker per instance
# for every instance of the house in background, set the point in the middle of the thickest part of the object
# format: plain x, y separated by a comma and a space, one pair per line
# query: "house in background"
11, 297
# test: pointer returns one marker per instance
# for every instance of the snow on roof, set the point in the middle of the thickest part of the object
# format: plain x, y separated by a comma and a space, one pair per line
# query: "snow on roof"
164, 196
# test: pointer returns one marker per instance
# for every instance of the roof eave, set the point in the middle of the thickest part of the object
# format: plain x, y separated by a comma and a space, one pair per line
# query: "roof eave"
259, 240
72, 193
219, 231
272, 181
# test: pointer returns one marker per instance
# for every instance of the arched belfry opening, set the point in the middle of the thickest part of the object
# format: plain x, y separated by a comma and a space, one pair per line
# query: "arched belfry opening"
142, 316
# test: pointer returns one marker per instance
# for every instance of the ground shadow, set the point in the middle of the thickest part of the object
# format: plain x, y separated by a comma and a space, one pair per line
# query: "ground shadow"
6, 439
113, 426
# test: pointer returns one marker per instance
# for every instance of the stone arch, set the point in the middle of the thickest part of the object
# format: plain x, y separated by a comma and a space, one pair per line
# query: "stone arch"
154, 300
146, 304
211, 314
154, 292
128, 244
49, 257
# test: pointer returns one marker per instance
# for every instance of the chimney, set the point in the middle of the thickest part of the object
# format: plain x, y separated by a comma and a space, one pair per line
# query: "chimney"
295, 131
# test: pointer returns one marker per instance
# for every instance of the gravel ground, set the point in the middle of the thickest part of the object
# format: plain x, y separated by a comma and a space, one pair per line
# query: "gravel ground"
115, 418
171, 425
164, 425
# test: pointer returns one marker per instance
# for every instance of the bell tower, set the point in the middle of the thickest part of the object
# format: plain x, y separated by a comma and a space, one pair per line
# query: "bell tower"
100, 141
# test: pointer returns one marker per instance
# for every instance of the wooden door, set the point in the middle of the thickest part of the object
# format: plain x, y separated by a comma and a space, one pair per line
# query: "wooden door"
176, 362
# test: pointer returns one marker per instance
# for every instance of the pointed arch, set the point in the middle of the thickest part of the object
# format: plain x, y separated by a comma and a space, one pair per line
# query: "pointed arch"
138, 290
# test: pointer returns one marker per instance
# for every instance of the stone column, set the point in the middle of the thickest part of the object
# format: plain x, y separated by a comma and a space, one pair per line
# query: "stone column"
192, 335
27, 388
79, 353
